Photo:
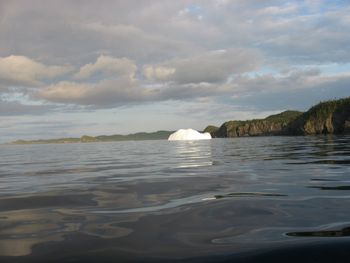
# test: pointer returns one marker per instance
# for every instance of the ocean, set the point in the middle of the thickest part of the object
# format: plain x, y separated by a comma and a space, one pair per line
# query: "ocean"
251, 199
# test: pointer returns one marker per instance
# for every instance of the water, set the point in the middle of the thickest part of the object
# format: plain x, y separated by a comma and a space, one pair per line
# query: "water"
243, 199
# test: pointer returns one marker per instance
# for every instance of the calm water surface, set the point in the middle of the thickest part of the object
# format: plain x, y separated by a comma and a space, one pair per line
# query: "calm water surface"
229, 200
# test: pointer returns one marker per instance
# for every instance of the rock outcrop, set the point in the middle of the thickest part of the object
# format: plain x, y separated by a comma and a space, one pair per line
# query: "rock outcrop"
330, 117
272, 125
211, 129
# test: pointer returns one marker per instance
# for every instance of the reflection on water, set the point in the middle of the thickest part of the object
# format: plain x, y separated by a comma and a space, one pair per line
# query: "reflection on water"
341, 187
171, 200
344, 232
192, 154
334, 230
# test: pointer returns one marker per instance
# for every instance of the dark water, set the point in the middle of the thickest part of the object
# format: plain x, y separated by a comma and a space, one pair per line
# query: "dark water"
266, 199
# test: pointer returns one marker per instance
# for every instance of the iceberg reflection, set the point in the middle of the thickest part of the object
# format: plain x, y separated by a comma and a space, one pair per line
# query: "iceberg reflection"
191, 154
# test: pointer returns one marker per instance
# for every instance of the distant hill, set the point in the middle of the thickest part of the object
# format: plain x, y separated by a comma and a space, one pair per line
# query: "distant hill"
158, 135
329, 117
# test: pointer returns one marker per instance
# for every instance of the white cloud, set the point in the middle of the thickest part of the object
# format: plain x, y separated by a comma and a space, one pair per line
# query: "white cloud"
109, 66
22, 70
158, 72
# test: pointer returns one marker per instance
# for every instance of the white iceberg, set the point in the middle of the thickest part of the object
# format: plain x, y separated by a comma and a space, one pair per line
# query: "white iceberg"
188, 134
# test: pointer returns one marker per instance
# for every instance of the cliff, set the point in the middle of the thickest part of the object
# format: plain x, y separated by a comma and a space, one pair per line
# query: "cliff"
211, 129
272, 125
329, 117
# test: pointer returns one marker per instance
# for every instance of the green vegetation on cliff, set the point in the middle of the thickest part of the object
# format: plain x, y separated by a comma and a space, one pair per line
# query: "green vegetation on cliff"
327, 117
272, 125
211, 129
284, 117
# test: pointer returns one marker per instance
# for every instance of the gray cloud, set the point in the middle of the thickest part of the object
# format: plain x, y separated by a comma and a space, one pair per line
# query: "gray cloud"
62, 31
127, 90
155, 31
168, 50
122, 91
314, 38
106, 93
212, 67
295, 90
15, 108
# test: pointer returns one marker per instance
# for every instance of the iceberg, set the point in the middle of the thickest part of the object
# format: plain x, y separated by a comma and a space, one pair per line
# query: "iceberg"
188, 134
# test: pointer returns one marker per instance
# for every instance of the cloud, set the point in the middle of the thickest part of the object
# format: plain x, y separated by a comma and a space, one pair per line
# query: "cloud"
109, 66
284, 38
123, 91
293, 79
65, 32
279, 10
211, 67
126, 90
106, 93
297, 89
186, 92
15, 108
158, 72
155, 32
239, 53
21, 70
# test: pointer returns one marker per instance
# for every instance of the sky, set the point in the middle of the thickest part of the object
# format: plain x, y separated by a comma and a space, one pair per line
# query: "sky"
69, 68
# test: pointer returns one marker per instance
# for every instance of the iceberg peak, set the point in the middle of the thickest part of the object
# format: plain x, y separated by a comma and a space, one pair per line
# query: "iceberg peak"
188, 134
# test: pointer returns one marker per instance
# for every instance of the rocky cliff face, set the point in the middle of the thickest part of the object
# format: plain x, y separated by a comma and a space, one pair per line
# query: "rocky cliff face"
249, 128
330, 117
272, 125
325, 118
